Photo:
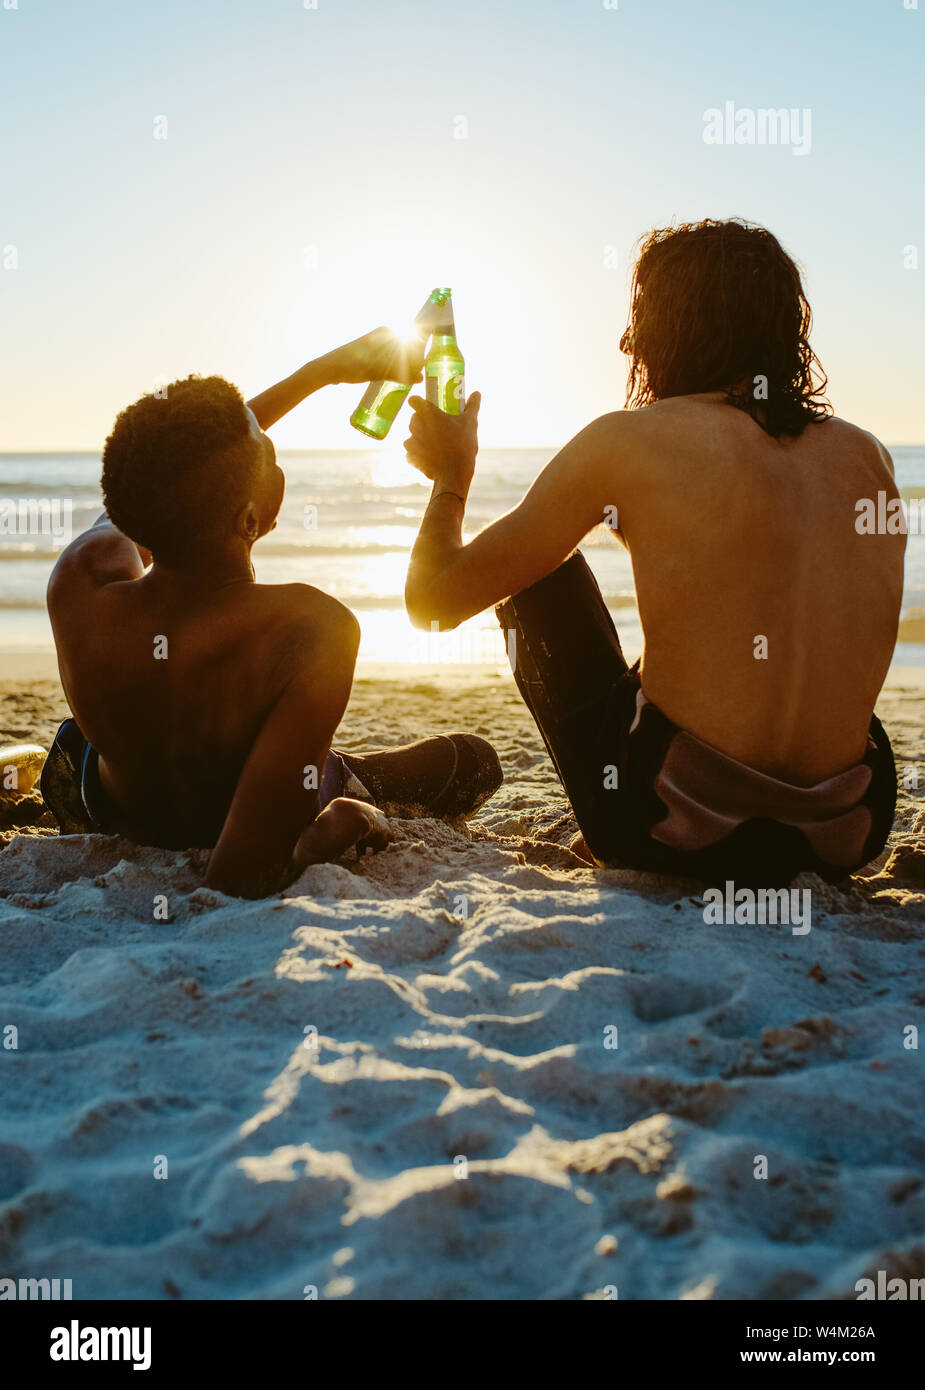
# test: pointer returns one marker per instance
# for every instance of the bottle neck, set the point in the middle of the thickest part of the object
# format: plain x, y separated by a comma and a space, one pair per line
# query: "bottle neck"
443, 337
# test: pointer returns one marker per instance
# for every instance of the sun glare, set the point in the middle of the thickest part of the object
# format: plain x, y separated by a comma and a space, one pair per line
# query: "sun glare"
407, 333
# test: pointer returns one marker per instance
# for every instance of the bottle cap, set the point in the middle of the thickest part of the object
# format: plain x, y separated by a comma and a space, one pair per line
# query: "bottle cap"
436, 315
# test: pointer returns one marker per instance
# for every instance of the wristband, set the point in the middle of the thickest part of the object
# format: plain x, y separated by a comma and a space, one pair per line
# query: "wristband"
448, 493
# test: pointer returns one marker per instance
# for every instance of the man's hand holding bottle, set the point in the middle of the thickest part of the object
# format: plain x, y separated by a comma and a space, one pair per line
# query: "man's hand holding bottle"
380, 354
444, 447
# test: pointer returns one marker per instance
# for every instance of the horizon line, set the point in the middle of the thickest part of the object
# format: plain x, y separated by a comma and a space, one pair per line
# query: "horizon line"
307, 449
361, 449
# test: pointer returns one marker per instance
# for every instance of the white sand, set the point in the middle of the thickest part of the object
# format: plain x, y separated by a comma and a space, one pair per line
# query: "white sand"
461, 1130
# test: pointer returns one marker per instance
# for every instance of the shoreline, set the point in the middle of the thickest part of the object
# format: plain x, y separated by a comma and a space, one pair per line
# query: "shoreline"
22, 667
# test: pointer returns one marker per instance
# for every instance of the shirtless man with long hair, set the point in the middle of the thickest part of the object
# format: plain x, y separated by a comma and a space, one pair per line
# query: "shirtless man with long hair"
743, 744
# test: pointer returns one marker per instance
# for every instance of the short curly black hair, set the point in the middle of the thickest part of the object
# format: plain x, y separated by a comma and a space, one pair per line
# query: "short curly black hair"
720, 306
177, 467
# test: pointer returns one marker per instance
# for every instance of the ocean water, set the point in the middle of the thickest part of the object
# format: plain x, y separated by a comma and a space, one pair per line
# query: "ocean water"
347, 525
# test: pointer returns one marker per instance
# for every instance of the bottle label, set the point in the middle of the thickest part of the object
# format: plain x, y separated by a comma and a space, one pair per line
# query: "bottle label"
448, 394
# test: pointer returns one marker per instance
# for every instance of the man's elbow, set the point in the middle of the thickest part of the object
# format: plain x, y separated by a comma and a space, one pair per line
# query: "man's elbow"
429, 615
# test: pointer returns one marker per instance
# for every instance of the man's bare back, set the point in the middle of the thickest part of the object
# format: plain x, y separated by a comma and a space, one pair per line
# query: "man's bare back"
769, 620
172, 685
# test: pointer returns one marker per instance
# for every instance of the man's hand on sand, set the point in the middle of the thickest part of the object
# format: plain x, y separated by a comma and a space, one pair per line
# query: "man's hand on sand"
378, 356
444, 447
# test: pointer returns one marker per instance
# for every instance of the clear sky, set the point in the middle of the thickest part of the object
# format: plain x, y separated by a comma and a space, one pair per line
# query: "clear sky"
313, 183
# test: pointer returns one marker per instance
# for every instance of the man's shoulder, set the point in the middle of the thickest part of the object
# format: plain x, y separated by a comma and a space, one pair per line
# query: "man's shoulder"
294, 618
863, 440
96, 559
626, 434
679, 420
675, 415
628, 422
299, 602
280, 633
646, 440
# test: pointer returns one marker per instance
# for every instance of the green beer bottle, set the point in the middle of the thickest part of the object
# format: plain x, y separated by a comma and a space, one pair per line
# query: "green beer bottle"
382, 400
378, 408
444, 367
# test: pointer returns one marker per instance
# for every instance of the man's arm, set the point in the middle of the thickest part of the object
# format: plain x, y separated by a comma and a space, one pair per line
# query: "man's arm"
105, 555
376, 355
449, 581
273, 829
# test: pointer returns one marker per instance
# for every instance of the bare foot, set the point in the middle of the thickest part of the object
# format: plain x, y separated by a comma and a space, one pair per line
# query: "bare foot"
379, 833
342, 823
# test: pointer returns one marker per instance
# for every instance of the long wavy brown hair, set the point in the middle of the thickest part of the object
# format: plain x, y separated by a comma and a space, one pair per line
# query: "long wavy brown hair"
719, 306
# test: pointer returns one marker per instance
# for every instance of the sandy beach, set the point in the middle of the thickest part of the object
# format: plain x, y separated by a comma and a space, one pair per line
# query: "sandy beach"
469, 1067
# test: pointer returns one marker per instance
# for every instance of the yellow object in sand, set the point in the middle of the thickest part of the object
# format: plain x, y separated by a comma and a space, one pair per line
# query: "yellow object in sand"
20, 767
